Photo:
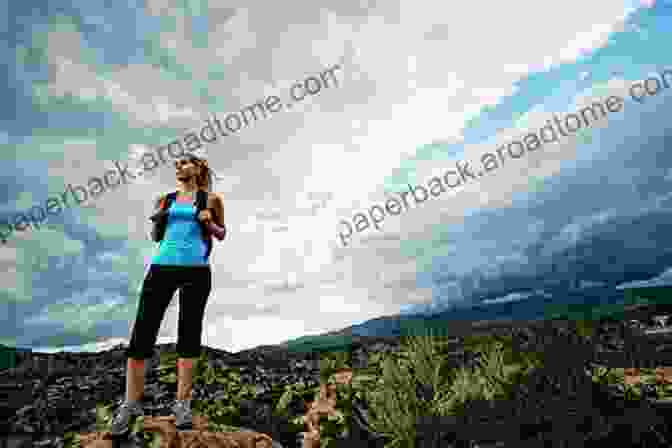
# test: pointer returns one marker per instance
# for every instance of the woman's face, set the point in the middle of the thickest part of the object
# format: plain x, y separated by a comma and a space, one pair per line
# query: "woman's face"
185, 168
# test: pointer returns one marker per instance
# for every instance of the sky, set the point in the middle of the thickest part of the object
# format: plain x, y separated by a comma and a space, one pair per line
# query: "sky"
417, 87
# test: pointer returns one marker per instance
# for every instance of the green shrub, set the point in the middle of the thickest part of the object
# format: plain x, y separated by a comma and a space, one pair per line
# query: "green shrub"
332, 361
293, 392
71, 440
338, 426
394, 406
390, 385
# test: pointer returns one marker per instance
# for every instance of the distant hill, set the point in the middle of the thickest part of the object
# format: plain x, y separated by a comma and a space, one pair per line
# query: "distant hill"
591, 303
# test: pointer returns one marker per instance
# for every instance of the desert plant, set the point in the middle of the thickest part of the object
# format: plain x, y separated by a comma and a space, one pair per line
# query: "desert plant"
586, 328
168, 368
425, 362
338, 425
394, 404
296, 392
393, 407
71, 439
607, 375
170, 377
332, 361
103, 416
488, 380
225, 410
491, 369
168, 359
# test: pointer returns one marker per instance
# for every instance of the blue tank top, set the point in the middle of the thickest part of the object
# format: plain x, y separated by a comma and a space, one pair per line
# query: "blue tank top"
182, 243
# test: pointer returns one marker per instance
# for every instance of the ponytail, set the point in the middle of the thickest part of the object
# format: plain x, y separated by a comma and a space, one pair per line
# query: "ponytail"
205, 178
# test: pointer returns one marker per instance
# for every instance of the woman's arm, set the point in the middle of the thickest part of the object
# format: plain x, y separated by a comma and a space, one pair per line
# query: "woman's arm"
216, 226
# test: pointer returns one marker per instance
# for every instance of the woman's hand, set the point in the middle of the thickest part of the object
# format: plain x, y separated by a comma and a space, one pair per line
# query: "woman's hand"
216, 218
217, 231
205, 216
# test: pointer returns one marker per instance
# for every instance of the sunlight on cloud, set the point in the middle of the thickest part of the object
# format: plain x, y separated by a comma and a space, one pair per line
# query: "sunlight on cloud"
337, 304
578, 229
512, 297
663, 279
245, 334
369, 167
496, 189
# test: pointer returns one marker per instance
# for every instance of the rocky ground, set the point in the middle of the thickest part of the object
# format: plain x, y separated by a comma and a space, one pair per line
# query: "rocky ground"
49, 395
200, 435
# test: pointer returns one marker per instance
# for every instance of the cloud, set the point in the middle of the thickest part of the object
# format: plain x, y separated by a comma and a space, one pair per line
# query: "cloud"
590, 284
513, 297
245, 334
663, 279
137, 91
578, 229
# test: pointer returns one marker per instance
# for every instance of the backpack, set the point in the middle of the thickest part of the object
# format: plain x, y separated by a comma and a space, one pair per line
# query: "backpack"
160, 218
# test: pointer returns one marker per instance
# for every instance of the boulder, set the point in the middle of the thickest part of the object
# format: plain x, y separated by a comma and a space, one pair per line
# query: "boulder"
198, 437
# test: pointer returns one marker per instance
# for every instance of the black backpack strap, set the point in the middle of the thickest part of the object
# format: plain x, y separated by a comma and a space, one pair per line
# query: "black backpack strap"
160, 218
201, 200
202, 204
170, 197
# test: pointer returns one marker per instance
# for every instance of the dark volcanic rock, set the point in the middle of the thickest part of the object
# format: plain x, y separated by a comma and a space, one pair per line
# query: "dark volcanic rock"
48, 395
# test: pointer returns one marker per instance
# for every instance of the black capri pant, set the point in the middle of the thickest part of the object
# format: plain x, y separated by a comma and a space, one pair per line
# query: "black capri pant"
159, 285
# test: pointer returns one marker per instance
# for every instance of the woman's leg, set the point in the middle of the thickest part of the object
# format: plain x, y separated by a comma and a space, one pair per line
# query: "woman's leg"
135, 379
158, 288
193, 298
185, 376
157, 291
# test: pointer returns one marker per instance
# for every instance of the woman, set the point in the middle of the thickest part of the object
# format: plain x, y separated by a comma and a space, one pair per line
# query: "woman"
181, 263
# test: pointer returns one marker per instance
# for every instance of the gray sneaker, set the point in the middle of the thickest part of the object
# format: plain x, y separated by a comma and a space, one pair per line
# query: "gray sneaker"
125, 417
183, 416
